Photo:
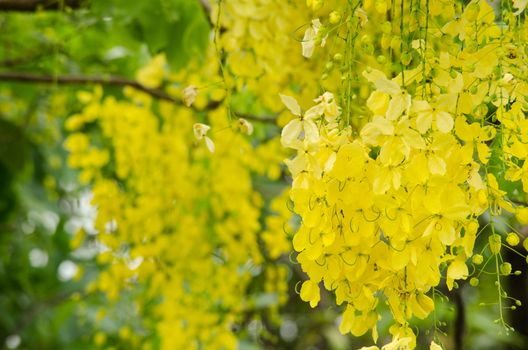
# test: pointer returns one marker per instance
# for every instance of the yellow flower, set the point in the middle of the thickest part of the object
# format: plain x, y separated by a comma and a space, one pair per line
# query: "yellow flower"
189, 95
447, 206
303, 124
309, 39
245, 126
456, 27
310, 292
400, 101
200, 132
328, 105
425, 114
456, 270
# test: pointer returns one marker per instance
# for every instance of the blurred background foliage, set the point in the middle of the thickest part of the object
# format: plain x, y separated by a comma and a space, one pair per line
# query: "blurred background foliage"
43, 298
43, 302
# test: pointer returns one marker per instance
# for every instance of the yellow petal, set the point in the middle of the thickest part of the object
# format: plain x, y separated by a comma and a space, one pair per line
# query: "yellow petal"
423, 122
310, 292
425, 302
413, 139
378, 102
300, 240
446, 233
347, 320
436, 165
398, 105
291, 132
522, 215
483, 152
417, 309
291, 104
381, 82
457, 270
210, 144
308, 43
383, 125
444, 122
311, 132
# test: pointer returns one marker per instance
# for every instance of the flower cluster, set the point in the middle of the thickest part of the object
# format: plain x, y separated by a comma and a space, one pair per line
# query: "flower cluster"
390, 194
174, 220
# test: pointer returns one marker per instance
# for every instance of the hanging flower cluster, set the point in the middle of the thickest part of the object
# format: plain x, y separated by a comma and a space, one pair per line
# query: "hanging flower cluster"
390, 193
177, 222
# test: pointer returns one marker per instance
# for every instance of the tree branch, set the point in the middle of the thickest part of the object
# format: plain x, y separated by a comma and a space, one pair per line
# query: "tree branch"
33, 5
24, 77
206, 6
257, 118
80, 80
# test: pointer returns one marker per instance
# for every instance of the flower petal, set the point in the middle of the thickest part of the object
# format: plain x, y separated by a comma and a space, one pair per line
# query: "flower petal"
291, 104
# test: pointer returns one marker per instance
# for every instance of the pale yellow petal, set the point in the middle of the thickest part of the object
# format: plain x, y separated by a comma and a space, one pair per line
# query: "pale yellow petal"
308, 43
444, 122
210, 144
436, 165
381, 82
423, 122
413, 139
291, 132
291, 104
311, 132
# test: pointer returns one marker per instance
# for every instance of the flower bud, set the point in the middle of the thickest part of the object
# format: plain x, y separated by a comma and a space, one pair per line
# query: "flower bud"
477, 259
334, 17
338, 57
245, 126
512, 239
505, 268
495, 243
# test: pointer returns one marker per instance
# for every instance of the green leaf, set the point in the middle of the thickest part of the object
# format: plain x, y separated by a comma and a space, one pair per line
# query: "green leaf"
155, 26
189, 35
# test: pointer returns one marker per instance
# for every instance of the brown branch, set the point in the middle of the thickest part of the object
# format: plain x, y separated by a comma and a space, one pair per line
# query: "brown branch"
81, 79
257, 118
206, 8
33, 5
24, 77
